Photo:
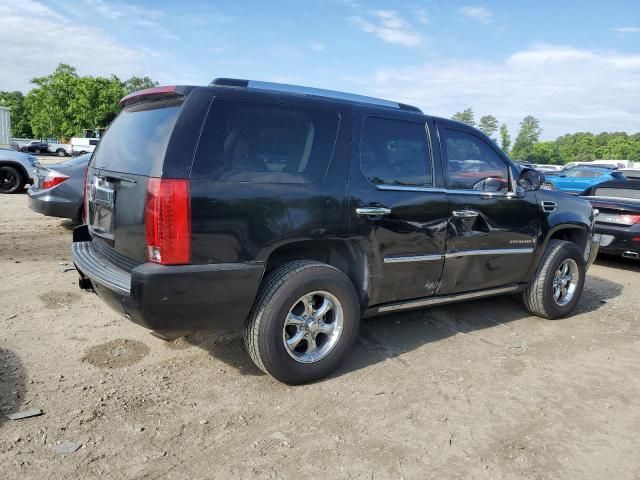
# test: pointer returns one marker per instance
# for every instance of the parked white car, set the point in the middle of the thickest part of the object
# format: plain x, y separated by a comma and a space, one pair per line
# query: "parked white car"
60, 149
80, 146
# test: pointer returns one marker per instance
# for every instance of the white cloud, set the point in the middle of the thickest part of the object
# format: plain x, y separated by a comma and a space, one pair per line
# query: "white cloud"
566, 88
35, 39
627, 30
133, 15
389, 26
477, 13
422, 16
317, 46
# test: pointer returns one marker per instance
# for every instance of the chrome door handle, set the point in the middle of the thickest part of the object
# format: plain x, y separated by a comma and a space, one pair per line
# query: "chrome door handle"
373, 211
465, 213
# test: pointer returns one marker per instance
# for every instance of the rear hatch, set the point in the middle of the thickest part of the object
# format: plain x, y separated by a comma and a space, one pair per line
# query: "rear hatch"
132, 151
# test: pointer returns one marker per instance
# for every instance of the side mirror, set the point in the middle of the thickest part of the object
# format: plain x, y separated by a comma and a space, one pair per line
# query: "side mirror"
530, 179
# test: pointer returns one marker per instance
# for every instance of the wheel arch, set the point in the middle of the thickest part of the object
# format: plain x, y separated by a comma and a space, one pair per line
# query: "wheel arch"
19, 166
346, 256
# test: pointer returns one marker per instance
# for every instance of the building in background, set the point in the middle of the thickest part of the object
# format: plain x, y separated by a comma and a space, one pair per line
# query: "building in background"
5, 127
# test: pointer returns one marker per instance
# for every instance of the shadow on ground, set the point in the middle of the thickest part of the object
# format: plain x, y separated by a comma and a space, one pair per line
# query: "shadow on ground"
615, 261
12, 384
227, 347
390, 336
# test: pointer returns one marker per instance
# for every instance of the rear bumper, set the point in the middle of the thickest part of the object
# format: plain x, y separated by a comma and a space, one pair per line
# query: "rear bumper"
619, 240
171, 298
52, 206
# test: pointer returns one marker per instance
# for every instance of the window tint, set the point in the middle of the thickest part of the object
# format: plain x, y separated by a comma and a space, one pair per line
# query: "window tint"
472, 164
617, 192
137, 139
266, 143
583, 173
395, 152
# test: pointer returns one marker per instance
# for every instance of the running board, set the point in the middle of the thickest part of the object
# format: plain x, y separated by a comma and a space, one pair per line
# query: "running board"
428, 302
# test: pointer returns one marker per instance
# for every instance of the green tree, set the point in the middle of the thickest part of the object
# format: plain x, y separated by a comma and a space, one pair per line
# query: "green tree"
466, 116
505, 138
489, 126
134, 84
20, 121
49, 103
95, 103
528, 136
545, 152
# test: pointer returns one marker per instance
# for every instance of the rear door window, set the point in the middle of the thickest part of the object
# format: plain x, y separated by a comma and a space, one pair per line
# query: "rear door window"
137, 139
395, 153
259, 142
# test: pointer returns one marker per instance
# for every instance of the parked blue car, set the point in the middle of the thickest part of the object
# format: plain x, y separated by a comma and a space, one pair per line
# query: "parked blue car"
576, 180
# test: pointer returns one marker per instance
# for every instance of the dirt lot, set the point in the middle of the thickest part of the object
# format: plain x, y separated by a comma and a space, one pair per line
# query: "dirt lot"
478, 390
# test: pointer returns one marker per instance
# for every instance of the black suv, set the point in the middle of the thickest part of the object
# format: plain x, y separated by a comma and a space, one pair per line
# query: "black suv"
292, 212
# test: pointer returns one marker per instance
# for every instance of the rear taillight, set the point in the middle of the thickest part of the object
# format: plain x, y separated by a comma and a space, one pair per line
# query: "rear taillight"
52, 181
630, 219
85, 206
168, 221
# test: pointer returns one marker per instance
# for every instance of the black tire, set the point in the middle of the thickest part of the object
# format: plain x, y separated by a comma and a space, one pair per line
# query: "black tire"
538, 297
61, 152
281, 289
24, 149
11, 180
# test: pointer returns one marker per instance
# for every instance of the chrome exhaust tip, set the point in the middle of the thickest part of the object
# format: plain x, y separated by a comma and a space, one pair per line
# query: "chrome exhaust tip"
630, 254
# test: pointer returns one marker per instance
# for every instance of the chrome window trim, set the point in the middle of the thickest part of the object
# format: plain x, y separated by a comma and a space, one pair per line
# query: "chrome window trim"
447, 299
414, 258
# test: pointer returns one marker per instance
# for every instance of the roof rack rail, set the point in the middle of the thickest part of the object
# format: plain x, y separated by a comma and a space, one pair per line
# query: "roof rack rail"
317, 92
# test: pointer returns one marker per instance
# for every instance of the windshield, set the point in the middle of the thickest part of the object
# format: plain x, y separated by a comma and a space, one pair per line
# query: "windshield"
137, 139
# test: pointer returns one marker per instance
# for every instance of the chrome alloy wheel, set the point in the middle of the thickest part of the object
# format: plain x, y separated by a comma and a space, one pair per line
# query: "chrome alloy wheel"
565, 282
313, 327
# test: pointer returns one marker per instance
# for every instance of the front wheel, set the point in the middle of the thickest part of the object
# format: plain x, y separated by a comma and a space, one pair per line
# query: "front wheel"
556, 288
547, 186
61, 152
304, 322
11, 180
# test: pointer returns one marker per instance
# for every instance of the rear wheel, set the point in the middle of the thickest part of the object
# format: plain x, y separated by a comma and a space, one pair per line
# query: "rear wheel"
11, 180
61, 152
558, 283
304, 322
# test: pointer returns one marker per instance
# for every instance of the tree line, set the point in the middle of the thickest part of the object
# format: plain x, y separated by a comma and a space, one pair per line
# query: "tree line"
64, 103
576, 147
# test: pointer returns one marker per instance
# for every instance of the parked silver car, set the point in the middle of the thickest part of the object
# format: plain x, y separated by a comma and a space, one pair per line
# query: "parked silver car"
17, 169
58, 189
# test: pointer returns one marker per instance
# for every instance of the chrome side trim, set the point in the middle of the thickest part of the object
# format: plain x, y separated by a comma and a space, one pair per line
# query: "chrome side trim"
493, 251
400, 188
447, 299
414, 258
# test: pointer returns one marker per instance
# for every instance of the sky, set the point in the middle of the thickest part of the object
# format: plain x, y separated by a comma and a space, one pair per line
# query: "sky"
574, 65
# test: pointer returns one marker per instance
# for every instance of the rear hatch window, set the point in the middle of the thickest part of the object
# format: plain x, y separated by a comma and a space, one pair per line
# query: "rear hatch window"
137, 140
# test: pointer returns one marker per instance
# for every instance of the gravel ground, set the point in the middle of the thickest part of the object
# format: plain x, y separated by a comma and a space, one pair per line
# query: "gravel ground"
478, 390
